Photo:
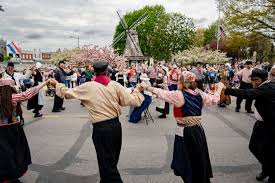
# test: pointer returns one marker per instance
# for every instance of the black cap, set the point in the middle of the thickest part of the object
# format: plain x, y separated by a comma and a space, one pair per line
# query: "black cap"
259, 73
61, 62
248, 63
100, 66
10, 64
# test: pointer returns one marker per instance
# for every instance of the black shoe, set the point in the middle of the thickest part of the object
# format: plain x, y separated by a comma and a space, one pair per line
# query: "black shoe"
62, 108
38, 115
162, 116
261, 176
222, 105
250, 112
56, 110
237, 110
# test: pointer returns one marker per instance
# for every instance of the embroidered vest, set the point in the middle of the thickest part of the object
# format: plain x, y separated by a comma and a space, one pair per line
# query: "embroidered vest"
192, 106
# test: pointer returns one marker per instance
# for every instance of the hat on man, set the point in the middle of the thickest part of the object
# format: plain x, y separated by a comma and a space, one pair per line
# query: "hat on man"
38, 65
10, 64
100, 66
248, 62
259, 73
61, 62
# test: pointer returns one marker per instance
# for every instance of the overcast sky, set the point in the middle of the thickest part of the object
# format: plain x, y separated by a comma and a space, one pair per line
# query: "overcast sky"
48, 24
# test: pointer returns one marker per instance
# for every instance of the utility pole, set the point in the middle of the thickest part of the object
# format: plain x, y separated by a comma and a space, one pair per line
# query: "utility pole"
218, 25
76, 37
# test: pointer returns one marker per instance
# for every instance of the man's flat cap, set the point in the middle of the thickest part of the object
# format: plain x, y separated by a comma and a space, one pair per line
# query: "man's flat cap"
100, 66
10, 64
259, 73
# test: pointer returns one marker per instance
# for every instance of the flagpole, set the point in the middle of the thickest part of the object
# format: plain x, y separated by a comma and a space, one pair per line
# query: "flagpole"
218, 25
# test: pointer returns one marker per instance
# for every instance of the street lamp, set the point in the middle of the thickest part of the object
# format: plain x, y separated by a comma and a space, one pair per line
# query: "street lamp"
76, 37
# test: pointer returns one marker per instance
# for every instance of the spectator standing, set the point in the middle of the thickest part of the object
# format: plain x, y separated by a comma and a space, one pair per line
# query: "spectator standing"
245, 74
198, 71
74, 79
153, 72
173, 78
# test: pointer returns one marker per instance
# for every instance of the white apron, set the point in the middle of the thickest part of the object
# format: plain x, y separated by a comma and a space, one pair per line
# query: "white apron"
41, 96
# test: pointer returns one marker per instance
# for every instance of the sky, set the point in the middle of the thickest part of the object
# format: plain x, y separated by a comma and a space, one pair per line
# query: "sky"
49, 24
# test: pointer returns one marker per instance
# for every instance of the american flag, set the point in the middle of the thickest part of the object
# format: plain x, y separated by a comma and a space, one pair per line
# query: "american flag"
222, 32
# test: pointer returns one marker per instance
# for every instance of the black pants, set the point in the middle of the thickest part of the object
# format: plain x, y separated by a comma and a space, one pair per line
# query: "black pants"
58, 103
248, 101
107, 138
37, 108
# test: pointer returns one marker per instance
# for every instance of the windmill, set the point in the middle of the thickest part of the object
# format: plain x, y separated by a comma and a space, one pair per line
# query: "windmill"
132, 49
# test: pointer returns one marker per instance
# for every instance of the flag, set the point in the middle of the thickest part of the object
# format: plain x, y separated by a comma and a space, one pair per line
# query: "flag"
222, 33
11, 48
16, 47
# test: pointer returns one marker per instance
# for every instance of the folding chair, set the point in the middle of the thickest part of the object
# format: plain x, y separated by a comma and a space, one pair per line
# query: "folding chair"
147, 116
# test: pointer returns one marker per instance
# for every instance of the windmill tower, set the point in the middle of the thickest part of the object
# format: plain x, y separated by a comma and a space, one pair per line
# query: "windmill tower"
132, 49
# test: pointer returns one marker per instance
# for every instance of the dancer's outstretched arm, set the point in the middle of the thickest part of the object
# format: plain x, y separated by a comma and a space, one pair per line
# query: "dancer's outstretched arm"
79, 92
29, 93
211, 99
173, 97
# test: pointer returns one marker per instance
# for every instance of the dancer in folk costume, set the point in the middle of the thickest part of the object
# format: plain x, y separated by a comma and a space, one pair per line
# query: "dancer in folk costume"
162, 82
14, 149
103, 99
262, 139
37, 102
17, 77
191, 158
226, 75
173, 78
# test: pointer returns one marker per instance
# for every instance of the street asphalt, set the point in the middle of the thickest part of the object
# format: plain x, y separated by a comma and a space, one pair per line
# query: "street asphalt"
62, 148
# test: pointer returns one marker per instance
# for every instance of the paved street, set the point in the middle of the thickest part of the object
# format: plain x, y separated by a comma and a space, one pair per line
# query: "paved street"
62, 148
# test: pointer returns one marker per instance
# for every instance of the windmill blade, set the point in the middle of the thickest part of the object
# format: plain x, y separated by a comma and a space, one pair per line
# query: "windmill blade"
139, 21
123, 22
118, 38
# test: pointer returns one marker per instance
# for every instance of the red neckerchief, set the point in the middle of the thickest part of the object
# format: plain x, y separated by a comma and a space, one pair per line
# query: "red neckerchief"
103, 79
